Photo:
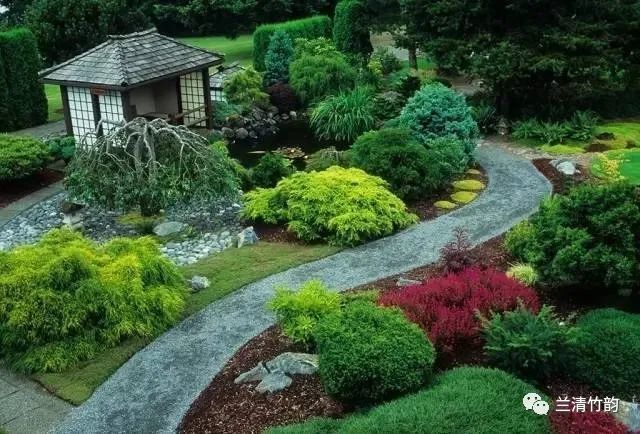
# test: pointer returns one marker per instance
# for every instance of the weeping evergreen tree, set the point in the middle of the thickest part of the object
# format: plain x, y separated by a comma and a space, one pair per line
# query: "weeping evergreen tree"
534, 54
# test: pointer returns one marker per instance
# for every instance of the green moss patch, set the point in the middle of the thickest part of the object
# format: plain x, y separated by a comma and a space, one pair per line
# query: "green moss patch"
445, 204
464, 196
469, 185
562, 149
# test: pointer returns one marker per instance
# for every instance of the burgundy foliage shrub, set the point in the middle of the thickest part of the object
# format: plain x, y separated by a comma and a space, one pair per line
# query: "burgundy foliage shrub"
588, 422
283, 97
446, 307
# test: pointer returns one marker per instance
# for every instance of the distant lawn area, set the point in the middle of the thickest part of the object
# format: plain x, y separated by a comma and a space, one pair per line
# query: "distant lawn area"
54, 101
227, 271
239, 49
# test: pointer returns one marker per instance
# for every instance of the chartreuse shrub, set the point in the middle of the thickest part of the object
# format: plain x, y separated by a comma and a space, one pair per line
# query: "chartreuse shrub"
411, 169
436, 111
298, 313
318, 70
463, 400
607, 351
588, 236
245, 89
309, 28
20, 156
342, 206
270, 169
66, 298
531, 346
369, 353
524, 273
22, 100
342, 118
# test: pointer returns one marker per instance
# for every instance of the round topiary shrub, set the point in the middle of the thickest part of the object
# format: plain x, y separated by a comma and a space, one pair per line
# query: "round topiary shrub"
368, 353
607, 351
21, 156
283, 97
388, 105
410, 169
436, 111
270, 169
463, 400
66, 298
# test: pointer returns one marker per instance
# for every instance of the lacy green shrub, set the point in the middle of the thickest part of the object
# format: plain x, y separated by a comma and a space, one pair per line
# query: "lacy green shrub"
607, 352
309, 28
270, 169
319, 70
405, 83
370, 353
410, 169
245, 89
388, 61
351, 28
343, 206
21, 156
587, 237
298, 313
66, 298
61, 148
278, 58
462, 400
531, 346
325, 158
524, 273
343, 117
388, 105
436, 111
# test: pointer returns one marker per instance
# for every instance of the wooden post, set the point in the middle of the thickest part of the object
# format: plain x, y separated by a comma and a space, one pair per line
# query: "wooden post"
208, 109
126, 106
67, 112
95, 102
179, 95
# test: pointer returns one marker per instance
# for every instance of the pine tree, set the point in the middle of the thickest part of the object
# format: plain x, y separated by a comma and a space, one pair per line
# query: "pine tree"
278, 58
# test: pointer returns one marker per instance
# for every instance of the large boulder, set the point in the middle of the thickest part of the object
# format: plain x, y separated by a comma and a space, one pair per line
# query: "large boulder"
169, 228
247, 237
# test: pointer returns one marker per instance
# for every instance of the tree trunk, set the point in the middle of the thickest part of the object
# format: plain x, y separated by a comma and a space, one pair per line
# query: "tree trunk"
413, 57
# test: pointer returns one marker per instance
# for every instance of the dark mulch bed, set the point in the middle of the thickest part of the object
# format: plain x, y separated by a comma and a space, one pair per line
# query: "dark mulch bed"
11, 191
560, 182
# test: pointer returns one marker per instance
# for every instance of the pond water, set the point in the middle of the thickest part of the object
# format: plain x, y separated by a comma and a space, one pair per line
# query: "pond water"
292, 134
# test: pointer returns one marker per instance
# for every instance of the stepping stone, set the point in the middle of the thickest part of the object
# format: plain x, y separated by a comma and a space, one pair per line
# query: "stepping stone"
464, 196
469, 185
474, 172
445, 204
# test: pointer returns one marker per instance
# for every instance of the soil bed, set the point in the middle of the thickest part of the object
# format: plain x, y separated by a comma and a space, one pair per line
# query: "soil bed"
12, 191
561, 183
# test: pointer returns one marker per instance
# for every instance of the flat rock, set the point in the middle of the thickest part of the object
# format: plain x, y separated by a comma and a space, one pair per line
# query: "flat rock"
564, 166
294, 363
169, 228
255, 374
274, 382
407, 282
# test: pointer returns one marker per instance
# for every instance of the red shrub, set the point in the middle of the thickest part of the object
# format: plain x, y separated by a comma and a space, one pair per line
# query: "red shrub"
283, 97
446, 307
585, 423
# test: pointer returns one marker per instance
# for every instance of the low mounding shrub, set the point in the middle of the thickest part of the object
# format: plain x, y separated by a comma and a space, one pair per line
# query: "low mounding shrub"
325, 158
62, 148
581, 127
388, 105
588, 422
388, 61
463, 400
532, 347
342, 118
342, 206
319, 70
368, 354
607, 352
283, 97
588, 236
20, 156
270, 169
405, 83
436, 111
309, 28
278, 58
245, 89
411, 169
298, 313
446, 307
65, 298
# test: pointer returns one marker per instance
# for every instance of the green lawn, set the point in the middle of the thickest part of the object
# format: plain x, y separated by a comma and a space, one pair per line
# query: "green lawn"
227, 271
239, 49
54, 100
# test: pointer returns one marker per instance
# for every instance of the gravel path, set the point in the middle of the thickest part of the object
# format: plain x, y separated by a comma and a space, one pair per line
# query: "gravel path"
154, 389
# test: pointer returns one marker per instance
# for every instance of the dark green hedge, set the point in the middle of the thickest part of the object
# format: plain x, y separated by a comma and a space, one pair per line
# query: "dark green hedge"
310, 28
25, 104
351, 28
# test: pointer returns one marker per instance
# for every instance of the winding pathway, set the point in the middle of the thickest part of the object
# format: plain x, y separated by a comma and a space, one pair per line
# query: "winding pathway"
154, 389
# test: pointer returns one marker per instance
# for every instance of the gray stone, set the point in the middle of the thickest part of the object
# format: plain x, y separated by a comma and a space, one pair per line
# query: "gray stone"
274, 382
293, 115
242, 133
228, 133
294, 363
407, 282
169, 228
564, 166
198, 283
255, 374
247, 237
629, 414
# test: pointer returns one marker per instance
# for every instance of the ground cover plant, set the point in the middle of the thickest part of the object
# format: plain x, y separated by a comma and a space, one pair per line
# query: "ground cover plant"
586, 237
588, 422
81, 298
21, 156
468, 399
368, 353
446, 307
342, 206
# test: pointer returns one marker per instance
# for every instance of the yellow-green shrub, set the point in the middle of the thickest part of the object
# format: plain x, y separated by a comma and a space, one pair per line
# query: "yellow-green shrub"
66, 298
342, 206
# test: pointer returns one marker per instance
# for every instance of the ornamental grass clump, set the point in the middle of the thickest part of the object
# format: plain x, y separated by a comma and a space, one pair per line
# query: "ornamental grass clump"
342, 206
66, 298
